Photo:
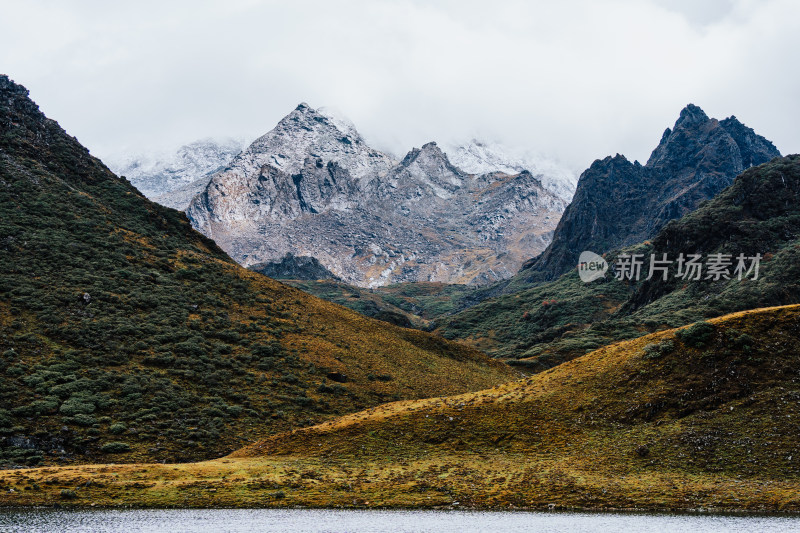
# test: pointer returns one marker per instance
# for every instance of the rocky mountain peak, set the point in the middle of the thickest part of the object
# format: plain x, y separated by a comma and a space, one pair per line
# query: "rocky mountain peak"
424, 174
27, 132
691, 131
304, 117
313, 187
294, 267
691, 114
430, 158
606, 166
432, 147
618, 203
753, 148
15, 105
686, 145
319, 133
482, 157
9, 88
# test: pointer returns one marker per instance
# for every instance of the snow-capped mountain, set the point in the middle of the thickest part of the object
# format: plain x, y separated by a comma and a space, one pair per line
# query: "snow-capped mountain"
156, 174
313, 187
478, 157
318, 134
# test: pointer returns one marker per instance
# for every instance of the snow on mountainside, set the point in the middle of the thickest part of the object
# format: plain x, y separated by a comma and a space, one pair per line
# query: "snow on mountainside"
477, 157
156, 174
313, 187
315, 133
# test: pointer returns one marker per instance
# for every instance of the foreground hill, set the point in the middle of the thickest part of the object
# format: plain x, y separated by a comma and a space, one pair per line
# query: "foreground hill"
127, 335
547, 324
701, 417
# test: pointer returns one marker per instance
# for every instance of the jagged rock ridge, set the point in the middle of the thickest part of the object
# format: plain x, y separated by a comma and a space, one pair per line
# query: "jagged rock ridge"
313, 187
619, 203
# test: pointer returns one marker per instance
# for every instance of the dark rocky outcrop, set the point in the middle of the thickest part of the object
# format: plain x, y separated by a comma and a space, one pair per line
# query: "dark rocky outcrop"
619, 203
294, 267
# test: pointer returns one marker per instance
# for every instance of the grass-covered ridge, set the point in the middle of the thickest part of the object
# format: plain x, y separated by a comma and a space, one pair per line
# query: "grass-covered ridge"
127, 336
701, 417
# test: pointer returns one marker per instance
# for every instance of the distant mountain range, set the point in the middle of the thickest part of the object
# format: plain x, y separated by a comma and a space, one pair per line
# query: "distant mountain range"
617, 204
313, 187
471, 213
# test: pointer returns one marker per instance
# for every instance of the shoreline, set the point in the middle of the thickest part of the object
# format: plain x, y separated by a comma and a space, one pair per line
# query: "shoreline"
443, 509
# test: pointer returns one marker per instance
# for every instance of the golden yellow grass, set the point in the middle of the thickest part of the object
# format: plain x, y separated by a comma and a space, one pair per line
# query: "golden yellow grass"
578, 436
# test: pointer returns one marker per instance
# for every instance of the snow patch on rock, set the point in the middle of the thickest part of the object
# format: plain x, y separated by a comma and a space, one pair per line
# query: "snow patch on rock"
480, 157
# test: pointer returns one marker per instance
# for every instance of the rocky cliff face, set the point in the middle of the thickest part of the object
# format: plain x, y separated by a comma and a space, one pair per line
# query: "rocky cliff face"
618, 203
313, 187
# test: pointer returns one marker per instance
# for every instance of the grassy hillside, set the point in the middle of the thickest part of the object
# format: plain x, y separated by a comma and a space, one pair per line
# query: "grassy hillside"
701, 417
509, 326
127, 336
547, 324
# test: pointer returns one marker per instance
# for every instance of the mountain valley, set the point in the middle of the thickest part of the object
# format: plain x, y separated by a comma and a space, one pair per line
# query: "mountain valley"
697, 418
128, 339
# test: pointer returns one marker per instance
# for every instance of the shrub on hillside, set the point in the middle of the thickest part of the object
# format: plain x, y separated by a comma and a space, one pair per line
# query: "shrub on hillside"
115, 447
697, 335
75, 406
658, 349
117, 428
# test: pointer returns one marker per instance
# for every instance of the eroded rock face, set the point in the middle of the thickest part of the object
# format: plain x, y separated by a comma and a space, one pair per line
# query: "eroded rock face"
312, 187
619, 203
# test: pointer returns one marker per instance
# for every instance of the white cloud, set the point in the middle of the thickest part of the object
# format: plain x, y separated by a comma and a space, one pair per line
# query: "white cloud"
575, 79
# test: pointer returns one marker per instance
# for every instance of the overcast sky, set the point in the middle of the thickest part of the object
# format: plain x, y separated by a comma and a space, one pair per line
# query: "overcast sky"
577, 80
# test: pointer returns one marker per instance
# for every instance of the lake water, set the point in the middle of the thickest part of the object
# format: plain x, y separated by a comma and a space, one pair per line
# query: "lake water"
318, 521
